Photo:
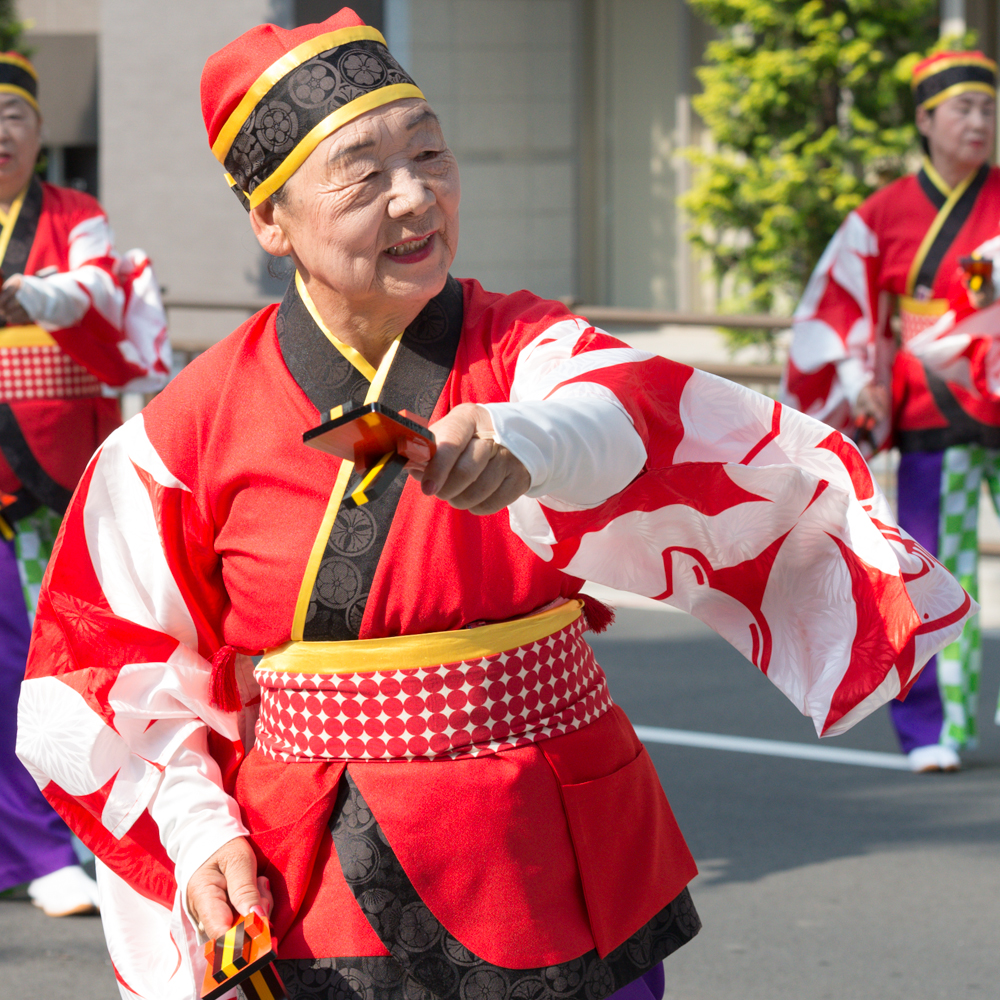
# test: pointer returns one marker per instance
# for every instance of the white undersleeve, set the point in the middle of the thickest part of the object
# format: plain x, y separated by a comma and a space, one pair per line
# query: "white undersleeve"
578, 451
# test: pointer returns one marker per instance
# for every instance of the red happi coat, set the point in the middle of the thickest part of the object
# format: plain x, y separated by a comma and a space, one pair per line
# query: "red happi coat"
902, 248
193, 527
55, 409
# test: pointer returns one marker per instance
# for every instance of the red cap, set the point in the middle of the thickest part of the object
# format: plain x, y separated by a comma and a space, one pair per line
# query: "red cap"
232, 71
270, 97
947, 74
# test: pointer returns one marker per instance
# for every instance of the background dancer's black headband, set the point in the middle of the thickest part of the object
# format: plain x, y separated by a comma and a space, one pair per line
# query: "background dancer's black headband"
18, 76
949, 74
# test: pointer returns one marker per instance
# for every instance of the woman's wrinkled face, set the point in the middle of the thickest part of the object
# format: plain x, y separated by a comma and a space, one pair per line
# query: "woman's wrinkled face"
373, 212
961, 128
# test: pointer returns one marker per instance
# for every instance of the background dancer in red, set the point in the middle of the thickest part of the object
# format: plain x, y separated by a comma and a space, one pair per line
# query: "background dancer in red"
904, 247
424, 779
77, 318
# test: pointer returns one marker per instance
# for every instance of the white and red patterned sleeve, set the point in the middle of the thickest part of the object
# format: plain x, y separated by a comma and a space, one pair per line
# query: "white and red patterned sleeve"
574, 437
833, 354
109, 305
755, 518
115, 718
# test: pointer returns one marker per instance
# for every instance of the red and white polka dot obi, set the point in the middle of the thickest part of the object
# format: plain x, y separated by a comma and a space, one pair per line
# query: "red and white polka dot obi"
318, 702
915, 316
34, 366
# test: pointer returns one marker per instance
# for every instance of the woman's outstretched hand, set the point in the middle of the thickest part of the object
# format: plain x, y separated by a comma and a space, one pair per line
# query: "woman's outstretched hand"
11, 310
227, 882
470, 470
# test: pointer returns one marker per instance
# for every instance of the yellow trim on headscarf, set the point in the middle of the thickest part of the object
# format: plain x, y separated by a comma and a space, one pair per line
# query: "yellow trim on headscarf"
10, 88
6, 531
16, 59
280, 68
959, 88
28, 335
343, 115
340, 486
941, 65
931, 235
408, 652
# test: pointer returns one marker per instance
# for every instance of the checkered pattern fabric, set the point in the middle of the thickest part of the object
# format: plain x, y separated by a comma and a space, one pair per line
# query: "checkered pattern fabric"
964, 470
914, 323
468, 709
34, 537
46, 372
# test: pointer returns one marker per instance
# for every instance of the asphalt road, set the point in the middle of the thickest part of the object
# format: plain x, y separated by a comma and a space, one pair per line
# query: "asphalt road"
818, 880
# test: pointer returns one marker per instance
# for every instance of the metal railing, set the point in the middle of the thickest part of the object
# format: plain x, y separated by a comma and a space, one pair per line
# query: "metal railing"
767, 375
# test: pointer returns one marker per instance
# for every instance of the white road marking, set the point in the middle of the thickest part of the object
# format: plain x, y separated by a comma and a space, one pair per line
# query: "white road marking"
773, 748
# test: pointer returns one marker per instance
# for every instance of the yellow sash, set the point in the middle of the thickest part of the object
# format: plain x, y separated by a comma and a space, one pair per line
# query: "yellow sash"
406, 652
29, 335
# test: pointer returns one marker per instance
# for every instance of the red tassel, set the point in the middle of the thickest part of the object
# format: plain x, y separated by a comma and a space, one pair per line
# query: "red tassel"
225, 692
597, 614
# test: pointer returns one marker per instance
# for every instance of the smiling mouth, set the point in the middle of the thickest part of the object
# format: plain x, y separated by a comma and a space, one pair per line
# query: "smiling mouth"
401, 249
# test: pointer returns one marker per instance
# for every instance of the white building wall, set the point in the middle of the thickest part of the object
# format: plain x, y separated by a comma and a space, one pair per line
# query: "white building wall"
61, 17
500, 73
161, 186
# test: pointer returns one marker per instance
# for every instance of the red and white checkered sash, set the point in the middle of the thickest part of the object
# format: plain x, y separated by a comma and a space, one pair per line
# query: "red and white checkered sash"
43, 371
469, 708
915, 316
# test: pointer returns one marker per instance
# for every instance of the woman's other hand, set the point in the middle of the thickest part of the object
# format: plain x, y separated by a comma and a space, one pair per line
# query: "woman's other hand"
873, 403
470, 470
10, 309
227, 881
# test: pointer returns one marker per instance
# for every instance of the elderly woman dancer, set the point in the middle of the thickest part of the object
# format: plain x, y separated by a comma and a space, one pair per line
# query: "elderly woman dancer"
424, 780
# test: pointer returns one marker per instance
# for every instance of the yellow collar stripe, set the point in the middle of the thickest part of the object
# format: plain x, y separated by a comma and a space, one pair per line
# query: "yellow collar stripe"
11, 221
935, 178
355, 357
340, 485
931, 235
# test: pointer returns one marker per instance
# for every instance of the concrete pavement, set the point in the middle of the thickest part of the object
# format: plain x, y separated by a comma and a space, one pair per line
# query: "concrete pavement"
819, 881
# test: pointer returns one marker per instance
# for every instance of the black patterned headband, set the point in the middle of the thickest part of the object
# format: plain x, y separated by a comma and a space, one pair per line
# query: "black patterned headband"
952, 73
299, 100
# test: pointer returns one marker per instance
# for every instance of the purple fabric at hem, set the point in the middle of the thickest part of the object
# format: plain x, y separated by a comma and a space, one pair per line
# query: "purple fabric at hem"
33, 839
920, 718
649, 986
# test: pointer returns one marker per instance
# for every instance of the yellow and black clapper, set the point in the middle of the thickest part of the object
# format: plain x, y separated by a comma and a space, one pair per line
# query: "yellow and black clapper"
243, 957
379, 442
978, 270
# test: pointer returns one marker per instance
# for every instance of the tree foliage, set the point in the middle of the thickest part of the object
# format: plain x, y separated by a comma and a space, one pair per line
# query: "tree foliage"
810, 111
11, 29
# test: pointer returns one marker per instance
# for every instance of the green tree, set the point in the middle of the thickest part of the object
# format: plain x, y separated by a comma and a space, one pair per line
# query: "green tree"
810, 111
12, 29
